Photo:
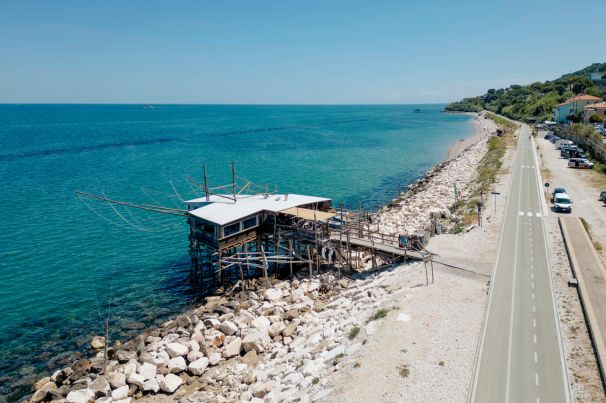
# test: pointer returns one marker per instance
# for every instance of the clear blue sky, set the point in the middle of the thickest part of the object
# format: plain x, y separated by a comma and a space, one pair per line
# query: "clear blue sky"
288, 51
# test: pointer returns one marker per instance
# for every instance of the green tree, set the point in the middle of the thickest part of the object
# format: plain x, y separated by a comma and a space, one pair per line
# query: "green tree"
596, 119
593, 91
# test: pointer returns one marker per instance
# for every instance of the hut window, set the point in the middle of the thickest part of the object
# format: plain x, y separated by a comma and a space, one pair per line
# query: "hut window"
208, 230
231, 229
249, 222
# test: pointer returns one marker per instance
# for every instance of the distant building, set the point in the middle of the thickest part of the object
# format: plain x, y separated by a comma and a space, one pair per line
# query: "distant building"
595, 109
573, 106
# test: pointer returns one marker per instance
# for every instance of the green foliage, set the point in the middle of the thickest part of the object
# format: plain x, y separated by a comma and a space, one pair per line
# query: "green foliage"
596, 119
380, 314
535, 102
353, 332
585, 131
465, 106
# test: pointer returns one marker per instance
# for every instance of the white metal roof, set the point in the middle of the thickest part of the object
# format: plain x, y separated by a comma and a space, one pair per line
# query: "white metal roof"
222, 211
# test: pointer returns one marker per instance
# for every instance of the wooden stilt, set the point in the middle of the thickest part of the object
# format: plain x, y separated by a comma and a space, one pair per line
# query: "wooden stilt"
291, 253
265, 264
309, 261
247, 262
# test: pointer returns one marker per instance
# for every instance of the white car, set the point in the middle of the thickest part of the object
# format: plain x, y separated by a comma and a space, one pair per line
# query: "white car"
562, 202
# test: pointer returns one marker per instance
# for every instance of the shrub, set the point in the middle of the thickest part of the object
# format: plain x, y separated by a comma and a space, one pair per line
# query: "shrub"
404, 371
380, 314
353, 332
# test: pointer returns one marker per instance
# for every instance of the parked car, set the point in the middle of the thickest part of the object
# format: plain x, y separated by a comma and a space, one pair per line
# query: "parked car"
561, 143
548, 136
562, 202
580, 163
554, 138
571, 152
557, 191
603, 196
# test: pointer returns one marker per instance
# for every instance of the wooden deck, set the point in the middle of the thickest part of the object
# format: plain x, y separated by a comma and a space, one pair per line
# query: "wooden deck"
380, 246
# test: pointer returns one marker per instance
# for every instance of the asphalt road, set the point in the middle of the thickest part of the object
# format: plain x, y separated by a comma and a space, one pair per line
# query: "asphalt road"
520, 356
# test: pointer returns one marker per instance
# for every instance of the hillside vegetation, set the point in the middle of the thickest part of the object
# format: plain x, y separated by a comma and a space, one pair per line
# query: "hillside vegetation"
534, 102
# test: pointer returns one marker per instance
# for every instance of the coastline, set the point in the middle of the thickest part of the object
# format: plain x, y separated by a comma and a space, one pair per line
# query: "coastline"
459, 146
309, 298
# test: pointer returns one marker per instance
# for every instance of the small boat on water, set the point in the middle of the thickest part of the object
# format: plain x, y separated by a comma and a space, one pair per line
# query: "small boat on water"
417, 110
148, 106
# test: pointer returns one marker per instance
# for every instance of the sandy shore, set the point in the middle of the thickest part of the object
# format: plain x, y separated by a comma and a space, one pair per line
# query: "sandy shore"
274, 341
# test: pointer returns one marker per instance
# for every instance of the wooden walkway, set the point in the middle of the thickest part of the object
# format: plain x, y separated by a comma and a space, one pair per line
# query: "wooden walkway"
379, 246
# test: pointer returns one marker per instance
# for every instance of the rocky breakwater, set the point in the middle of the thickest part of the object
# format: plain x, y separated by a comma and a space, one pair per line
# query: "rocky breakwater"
432, 196
266, 341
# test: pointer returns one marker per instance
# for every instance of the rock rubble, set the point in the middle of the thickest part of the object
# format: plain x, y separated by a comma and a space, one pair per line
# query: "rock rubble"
433, 195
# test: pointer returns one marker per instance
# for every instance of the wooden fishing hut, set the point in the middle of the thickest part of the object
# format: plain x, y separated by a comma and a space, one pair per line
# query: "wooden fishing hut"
239, 235
242, 230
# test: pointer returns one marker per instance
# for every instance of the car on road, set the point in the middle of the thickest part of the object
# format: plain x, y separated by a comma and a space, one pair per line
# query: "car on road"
556, 191
580, 163
603, 196
562, 202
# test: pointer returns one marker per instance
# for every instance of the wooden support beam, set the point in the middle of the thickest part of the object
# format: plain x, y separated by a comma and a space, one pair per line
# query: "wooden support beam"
309, 260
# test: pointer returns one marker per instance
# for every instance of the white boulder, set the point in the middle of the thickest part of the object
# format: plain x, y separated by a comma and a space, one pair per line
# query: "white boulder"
176, 350
197, 367
170, 383
228, 327
177, 365
80, 396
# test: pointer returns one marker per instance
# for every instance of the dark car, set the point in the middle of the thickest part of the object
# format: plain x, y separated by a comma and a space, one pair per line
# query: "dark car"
556, 191
603, 196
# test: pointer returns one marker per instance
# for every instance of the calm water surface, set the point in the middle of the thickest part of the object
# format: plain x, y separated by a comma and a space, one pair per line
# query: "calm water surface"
64, 262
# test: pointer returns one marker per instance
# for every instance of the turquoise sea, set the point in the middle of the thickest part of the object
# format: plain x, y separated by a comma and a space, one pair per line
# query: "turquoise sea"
63, 262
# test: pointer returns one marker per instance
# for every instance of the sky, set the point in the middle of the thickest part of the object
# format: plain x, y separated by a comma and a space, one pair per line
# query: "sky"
288, 52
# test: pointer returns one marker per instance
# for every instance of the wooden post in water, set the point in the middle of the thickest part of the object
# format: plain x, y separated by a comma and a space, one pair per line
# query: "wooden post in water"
206, 192
233, 180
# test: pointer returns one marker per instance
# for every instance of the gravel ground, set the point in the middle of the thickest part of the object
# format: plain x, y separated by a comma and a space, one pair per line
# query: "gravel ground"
423, 350
583, 372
